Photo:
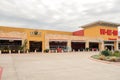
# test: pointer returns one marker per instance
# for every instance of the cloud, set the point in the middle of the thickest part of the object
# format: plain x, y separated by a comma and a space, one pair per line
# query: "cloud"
65, 15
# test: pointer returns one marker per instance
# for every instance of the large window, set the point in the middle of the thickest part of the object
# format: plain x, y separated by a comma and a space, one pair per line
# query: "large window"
12, 45
55, 44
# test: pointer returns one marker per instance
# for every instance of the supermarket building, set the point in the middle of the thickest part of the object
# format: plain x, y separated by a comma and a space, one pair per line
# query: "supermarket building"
95, 36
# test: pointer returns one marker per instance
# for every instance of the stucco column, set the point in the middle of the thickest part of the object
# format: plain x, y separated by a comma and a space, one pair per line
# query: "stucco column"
43, 46
69, 45
116, 45
28, 44
47, 44
87, 44
101, 46
22, 41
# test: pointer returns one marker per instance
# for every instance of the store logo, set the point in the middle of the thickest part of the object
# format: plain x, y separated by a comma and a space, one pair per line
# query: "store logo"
108, 32
35, 33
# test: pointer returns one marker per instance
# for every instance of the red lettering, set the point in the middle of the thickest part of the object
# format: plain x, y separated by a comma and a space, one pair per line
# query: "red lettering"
115, 32
108, 32
102, 31
112, 39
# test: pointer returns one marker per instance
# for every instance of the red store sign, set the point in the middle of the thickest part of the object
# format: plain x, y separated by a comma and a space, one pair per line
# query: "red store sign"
108, 32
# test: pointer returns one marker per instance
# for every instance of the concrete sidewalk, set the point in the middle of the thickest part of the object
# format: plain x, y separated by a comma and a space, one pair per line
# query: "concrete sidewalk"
56, 66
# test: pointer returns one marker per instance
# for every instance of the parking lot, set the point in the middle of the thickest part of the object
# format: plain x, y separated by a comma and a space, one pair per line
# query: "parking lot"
57, 66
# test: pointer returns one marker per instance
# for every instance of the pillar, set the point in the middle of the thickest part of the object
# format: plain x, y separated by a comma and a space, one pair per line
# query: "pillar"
43, 46
116, 45
69, 45
101, 46
87, 44
22, 41
28, 44
46, 45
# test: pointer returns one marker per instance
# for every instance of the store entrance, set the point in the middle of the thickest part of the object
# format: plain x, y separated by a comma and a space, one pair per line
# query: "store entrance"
109, 45
35, 46
93, 46
58, 44
76, 46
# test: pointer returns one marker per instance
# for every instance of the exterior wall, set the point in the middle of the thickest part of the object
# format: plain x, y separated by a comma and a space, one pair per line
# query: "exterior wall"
94, 31
57, 32
32, 37
58, 35
23, 33
116, 45
12, 33
68, 38
91, 34
10, 29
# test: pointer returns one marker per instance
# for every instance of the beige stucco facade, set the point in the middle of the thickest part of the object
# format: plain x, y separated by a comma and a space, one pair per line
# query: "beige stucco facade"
69, 39
100, 34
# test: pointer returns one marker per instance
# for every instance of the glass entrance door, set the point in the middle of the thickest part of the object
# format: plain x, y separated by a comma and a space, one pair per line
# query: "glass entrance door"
109, 45
35, 46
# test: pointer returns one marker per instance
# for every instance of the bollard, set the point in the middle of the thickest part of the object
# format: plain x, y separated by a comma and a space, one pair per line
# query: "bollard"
35, 51
43, 51
9, 51
27, 51
55, 51
49, 51
18, 51
73, 50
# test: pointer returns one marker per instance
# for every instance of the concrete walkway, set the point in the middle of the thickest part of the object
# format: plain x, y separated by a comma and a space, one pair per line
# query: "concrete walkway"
56, 66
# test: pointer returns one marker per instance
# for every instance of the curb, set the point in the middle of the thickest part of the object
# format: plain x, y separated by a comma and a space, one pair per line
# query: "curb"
102, 61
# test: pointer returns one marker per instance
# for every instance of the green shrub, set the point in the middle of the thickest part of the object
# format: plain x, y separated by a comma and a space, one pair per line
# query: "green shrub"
110, 53
116, 54
46, 50
95, 56
106, 53
86, 49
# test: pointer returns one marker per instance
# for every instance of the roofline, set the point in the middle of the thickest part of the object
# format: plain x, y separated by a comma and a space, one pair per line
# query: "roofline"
104, 23
35, 29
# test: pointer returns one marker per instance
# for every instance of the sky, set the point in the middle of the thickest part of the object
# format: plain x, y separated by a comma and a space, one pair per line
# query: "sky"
64, 15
